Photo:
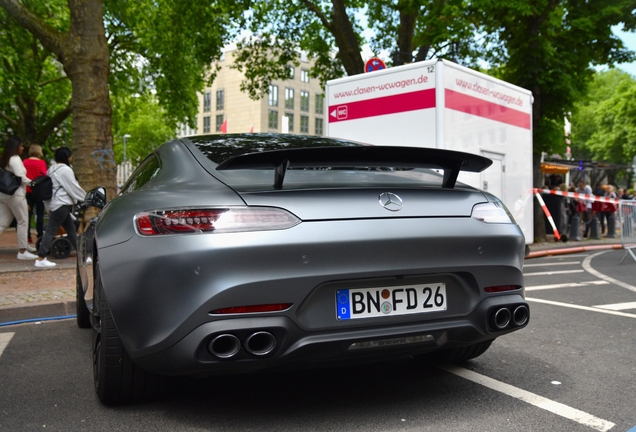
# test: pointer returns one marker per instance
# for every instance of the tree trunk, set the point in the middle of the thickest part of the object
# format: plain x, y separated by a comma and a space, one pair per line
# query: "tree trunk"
346, 39
86, 62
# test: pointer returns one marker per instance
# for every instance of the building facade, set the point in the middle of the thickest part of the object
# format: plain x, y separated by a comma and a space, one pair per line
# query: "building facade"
295, 105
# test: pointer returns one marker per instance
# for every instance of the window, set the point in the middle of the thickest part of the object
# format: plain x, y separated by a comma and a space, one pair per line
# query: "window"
220, 99
272, 119
304, 100
292, 72
219, 122
290, 121
304, 75
304, 124
207, 100
273, 95
206, 124
142, 175
320, 103
318, 126
289, 98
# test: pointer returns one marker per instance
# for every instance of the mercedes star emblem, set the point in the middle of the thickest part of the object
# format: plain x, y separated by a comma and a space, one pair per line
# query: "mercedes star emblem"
390, 201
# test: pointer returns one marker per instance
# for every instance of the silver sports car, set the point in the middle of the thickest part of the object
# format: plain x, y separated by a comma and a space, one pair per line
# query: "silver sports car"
239, 253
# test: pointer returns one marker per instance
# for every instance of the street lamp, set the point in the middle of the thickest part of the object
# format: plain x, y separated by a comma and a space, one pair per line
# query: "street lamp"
126, 136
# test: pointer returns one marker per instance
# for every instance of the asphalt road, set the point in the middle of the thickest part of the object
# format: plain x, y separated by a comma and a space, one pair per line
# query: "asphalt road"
571, 369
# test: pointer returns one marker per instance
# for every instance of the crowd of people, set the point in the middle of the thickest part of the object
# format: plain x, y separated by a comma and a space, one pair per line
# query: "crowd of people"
588, 209
21, 205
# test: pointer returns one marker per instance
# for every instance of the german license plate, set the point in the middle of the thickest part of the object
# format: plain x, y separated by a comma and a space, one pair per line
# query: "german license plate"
387, 301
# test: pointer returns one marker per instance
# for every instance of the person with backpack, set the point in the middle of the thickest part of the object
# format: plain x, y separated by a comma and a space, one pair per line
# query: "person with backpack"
15, 205
35, 167
66, 193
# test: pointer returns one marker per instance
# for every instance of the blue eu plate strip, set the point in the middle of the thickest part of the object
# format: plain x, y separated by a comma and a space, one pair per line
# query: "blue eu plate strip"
343, 311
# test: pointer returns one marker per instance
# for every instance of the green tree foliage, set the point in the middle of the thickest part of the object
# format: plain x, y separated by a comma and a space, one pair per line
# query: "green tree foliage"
35, 93
168, 47
144, 120
331, 33
604, 121
548, 47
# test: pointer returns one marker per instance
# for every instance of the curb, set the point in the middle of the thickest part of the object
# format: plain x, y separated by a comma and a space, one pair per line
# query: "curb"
37, 311
575, 249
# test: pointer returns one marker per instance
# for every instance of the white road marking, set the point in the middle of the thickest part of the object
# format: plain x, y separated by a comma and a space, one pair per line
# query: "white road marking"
618, 306
549, 273
566, 285
552, 264
585, 308
588, 268
533, 399
5, 338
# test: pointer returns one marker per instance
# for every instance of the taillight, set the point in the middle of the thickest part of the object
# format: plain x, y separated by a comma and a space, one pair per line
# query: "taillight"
492, 212
220, 220
253, 309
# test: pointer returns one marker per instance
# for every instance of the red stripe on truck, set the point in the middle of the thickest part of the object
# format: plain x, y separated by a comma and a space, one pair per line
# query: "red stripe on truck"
394, 104
479, 107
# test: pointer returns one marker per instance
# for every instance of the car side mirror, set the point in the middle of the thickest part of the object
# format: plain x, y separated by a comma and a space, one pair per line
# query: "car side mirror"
96, 197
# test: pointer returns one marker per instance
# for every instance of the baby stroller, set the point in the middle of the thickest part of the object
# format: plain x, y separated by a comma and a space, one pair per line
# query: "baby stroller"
61, 246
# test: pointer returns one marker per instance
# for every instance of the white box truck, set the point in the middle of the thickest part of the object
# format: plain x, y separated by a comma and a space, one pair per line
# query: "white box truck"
440, 104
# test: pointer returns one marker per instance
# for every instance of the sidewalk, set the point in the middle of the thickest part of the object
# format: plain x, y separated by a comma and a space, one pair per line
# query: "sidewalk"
27, 292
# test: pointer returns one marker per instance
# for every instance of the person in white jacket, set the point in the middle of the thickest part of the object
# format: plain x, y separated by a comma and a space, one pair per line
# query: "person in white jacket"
66, 193
16, 205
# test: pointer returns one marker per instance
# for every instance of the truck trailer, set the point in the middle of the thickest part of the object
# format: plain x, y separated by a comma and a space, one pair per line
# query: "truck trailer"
440, 104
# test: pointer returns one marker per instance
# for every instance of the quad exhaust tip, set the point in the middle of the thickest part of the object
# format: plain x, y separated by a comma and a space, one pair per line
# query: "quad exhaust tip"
225, 346
503, 317
260, 343
520, 315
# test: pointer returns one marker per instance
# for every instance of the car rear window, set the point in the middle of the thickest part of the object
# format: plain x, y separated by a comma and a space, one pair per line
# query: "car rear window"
218, 148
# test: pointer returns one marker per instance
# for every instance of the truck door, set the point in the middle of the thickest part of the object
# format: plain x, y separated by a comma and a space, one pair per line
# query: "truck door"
493, 178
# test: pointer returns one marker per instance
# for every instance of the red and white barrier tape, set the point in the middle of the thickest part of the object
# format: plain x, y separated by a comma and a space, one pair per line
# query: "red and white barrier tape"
547, 214
577, 195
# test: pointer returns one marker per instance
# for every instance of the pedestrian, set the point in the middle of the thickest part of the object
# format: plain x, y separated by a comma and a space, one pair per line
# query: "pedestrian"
585, 206
66, 193
609, 209
15, 206
35, 167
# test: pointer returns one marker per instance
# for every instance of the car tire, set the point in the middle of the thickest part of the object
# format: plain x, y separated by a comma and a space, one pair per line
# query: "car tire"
83, 314
117, 378
455, 355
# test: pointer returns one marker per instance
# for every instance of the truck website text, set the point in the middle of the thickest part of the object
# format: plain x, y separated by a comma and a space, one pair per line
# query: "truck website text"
488, 92
422, 79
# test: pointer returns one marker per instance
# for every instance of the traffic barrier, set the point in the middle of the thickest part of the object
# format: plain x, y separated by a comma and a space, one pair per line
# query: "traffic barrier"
627, 213
594, 228
557, 236
581, 196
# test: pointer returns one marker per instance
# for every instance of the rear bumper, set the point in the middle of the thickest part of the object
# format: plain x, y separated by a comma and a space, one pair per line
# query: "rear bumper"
295, 347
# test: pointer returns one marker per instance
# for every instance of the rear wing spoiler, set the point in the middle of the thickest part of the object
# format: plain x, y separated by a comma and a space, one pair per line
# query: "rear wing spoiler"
452, 162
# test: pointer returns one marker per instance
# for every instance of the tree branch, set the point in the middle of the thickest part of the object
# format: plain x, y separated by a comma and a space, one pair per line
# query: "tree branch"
53, 122
47, 35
